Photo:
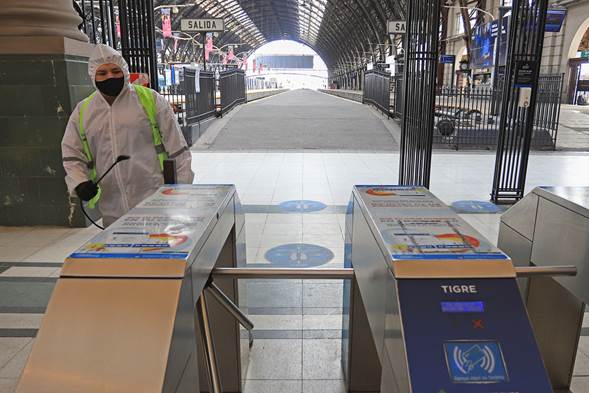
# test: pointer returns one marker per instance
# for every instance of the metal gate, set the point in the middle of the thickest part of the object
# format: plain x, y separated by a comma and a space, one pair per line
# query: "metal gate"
98, 20
138, 37
421, 62
526, 37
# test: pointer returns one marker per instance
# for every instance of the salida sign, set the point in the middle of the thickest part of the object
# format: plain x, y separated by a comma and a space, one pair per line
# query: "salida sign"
397, 27
208, 25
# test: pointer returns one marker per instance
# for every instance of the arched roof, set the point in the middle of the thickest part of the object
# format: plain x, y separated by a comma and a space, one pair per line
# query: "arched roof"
345, 33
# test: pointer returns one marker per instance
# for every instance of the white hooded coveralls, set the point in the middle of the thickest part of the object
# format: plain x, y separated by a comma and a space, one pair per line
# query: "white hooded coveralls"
122, 129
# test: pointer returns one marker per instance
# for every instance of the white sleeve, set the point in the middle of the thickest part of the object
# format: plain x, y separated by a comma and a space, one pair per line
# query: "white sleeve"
174, 141
74, 160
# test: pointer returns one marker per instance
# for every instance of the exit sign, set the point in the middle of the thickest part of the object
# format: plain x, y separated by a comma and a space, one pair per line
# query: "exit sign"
585, 54
397, 27
207, 25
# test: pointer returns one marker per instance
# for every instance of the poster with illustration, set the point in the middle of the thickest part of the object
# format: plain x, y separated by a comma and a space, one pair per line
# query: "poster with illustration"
166, 225
414, 224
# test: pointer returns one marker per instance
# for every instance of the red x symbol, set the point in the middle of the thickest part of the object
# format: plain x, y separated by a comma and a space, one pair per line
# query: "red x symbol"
478, 324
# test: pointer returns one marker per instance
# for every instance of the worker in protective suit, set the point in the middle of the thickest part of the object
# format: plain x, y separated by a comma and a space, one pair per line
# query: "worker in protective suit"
120, 119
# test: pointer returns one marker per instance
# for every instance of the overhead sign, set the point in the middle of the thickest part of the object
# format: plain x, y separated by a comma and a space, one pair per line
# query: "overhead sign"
208, 25
397, 27
554, 20
447, 59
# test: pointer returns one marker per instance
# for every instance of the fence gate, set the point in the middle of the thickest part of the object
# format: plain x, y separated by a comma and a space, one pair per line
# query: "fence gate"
138, 37
98, 20
421, 62
526, 37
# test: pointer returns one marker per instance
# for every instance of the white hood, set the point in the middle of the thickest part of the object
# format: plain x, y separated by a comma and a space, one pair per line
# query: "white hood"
104, 54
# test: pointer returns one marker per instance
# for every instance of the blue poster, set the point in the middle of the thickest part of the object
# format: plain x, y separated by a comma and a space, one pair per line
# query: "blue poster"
475, 362
483, 46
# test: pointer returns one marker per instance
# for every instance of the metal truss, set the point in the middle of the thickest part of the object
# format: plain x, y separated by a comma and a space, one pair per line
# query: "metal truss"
345, 33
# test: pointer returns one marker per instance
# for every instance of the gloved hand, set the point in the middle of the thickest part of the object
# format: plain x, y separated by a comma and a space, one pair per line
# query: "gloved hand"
86, 190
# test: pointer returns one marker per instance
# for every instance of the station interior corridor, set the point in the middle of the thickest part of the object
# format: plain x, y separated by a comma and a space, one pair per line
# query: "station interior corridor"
294, 158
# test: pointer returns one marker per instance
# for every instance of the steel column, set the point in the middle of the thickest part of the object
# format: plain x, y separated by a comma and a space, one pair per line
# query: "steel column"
526, 38
421, 60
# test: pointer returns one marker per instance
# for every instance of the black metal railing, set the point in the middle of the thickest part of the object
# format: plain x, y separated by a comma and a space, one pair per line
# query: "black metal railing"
399, 98
98, 20
190, 101
200, 99
468, 117
377, 90
232, 88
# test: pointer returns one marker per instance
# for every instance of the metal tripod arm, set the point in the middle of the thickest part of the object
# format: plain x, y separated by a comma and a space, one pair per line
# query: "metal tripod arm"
228, 305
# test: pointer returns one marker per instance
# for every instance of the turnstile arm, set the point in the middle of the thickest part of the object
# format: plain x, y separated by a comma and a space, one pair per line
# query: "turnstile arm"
530, 271
228, 305
284, 273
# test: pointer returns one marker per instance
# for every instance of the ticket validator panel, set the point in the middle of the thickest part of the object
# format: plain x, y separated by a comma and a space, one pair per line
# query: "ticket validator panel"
452, 303
469, 336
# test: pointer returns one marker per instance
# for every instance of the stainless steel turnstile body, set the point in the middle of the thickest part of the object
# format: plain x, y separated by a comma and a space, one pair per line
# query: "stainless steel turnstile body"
551, 225
122, 315
434, 307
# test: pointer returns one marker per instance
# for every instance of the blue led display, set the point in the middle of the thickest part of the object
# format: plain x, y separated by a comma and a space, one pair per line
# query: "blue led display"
463, 307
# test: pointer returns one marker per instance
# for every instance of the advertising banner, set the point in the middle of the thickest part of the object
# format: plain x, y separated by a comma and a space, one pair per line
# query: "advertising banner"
208, 45
166, 23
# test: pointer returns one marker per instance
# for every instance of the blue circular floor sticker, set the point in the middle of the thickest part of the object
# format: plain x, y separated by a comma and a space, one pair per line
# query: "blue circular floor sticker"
299, 255
302, 206
474, 207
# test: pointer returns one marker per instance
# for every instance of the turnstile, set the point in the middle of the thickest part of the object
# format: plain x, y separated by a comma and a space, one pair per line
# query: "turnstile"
434, 308
122, 314
551, 225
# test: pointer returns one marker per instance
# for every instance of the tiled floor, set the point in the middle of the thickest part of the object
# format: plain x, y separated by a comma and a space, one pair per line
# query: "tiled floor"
298, 323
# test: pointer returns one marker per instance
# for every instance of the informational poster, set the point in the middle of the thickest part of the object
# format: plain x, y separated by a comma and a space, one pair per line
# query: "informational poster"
414, 224
525, 73
166, 225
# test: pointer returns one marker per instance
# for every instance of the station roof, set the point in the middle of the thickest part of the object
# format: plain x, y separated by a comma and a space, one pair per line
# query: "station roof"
340, 31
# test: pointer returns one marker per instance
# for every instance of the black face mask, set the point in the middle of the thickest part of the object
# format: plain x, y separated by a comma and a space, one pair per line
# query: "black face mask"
111, 87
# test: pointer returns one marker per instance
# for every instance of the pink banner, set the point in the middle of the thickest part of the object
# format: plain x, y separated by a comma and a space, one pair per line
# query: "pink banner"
166, 22
230, 55
208, 46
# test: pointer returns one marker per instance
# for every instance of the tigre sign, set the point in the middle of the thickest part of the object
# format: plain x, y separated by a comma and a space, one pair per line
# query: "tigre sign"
208, 25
